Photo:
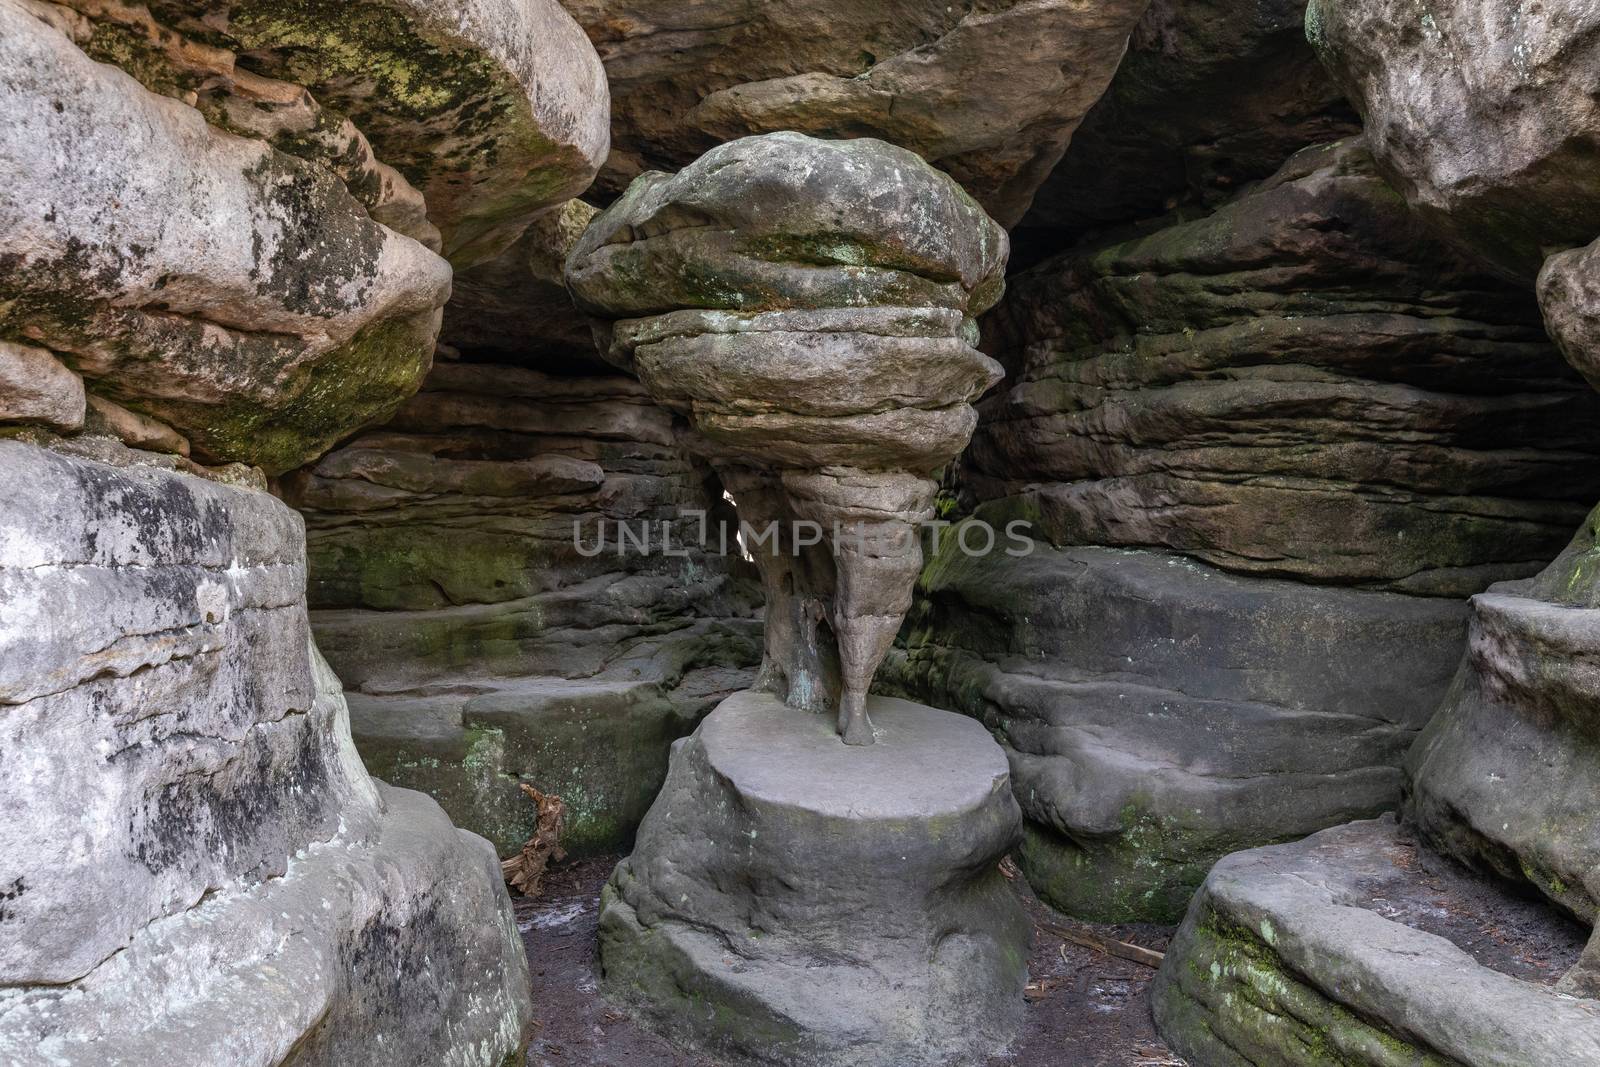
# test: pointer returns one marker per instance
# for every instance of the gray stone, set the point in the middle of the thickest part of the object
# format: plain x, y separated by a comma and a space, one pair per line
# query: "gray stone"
1502, 774
237, 293
794, 902
1486, 115
990, 93
196, 867
1352, 947
808, 307
1158, 713
35, 387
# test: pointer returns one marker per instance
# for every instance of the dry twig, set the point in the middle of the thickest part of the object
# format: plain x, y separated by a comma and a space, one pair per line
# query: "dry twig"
1148, 957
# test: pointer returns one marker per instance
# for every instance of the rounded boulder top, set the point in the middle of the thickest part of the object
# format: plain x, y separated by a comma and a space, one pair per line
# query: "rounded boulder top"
784, 220
926, 762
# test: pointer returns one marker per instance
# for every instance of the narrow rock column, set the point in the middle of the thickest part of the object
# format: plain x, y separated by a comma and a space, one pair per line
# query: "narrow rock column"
808, 307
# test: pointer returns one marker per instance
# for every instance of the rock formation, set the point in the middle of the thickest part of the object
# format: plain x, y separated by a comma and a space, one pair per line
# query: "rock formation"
808, 305
1484, 115
791, 901
989, 92
1360, 943
471, 584
1341, 425
307, 348
219, 254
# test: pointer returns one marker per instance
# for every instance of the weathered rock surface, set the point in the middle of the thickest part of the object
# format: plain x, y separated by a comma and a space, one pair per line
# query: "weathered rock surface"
794, 902
1301, 965
36, 387
196, 867
493, 110
1354, 947
1501, 773
1485, 115
250, 273
1303, 384
990, 92
1211, 95
230, 281
1159, 714
472, 587
809, 307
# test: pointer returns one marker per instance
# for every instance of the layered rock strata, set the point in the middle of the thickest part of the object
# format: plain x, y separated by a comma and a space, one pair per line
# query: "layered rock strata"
1342, 425
520, 579
1495, 779
1159, 714
1303, 384
808, 306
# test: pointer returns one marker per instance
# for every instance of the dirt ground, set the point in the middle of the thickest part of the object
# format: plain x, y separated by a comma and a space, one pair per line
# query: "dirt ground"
1525, 937
1085, 1008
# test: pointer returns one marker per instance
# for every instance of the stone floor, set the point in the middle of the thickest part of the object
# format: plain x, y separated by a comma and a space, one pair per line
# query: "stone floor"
1085, 1008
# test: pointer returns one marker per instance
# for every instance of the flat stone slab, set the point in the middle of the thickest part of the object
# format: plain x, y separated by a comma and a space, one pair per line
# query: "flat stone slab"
793, 900
1356, 947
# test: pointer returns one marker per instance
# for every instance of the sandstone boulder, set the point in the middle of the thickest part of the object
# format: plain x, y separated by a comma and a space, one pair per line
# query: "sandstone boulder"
197, 868
493, 110
1355, 946
1485, 115
1158, 713
794, 903
36, 387
990, 93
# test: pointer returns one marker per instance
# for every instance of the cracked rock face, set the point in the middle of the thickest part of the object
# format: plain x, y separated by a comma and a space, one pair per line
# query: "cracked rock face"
196, 868
808, 306
1484, 114
990, 93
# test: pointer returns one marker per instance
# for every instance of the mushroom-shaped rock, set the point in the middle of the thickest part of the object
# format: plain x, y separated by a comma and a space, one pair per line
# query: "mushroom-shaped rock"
808, 305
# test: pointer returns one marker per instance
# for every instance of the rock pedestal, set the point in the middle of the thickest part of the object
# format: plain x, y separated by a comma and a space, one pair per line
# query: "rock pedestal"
796, 901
